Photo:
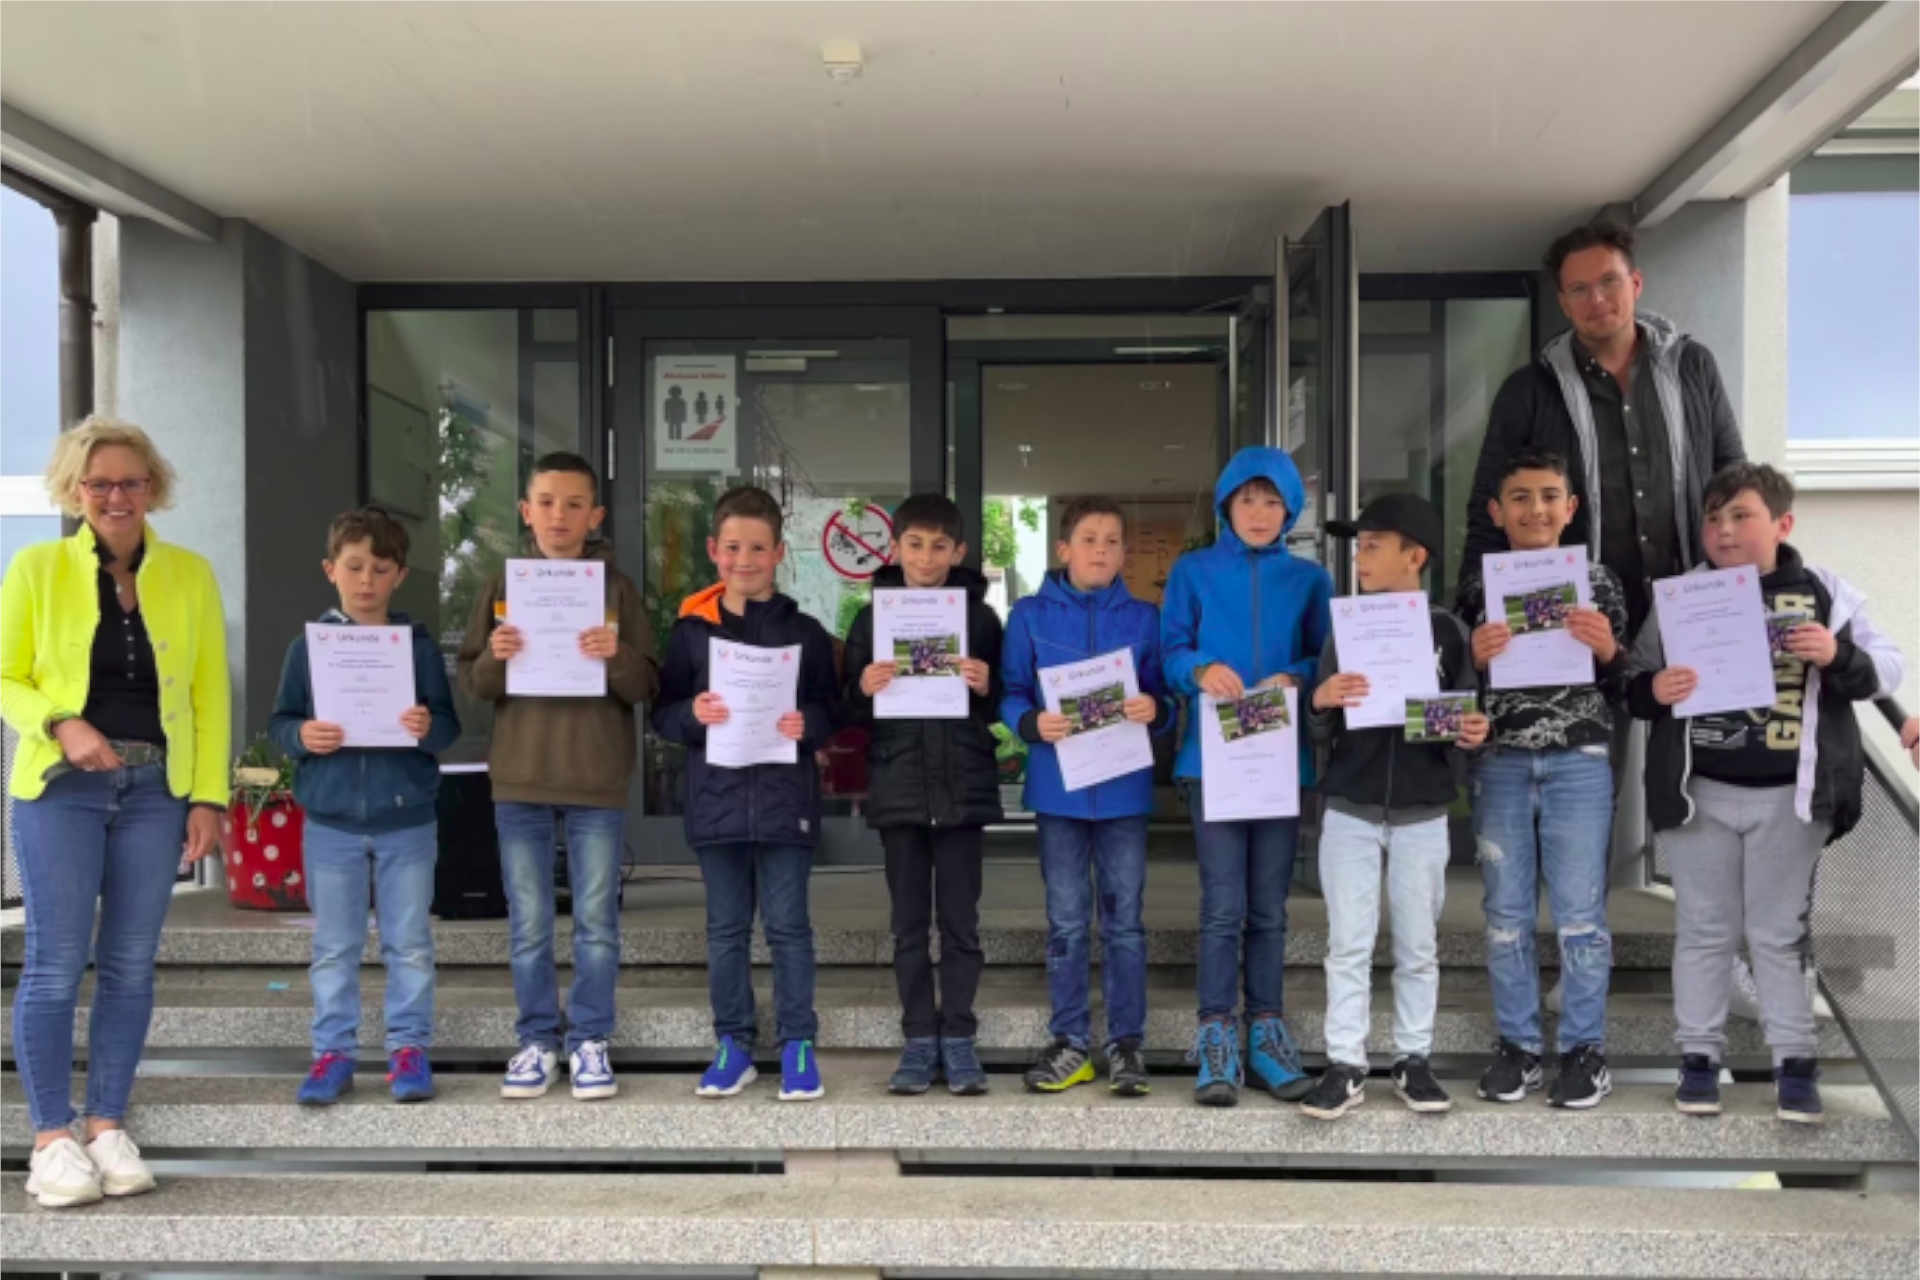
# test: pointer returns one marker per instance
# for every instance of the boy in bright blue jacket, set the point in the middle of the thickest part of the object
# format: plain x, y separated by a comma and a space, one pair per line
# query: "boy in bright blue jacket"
1239, 615
1083, 610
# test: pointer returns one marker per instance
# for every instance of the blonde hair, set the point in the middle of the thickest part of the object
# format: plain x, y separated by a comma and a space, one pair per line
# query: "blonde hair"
75, 450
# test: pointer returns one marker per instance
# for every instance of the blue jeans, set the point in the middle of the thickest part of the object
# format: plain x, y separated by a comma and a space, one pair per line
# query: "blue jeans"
774, 877
1246, 869
1076, 855
401, 863
1546, 814
593, 876
114, 838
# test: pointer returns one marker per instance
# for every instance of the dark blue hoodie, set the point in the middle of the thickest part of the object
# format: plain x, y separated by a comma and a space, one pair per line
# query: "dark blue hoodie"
366, 789
1260, 610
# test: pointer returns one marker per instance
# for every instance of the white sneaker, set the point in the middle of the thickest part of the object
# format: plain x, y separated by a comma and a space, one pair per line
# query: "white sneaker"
122, 1171
59, 1174
530, 1073
590, 1072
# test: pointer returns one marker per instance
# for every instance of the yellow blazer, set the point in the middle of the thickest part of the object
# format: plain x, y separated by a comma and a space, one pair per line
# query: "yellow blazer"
49, 610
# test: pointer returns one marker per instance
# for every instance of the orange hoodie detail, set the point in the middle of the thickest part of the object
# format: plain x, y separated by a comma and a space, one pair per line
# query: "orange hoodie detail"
704, 604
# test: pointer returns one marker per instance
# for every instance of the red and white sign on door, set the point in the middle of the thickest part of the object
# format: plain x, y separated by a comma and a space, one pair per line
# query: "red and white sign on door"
856, 545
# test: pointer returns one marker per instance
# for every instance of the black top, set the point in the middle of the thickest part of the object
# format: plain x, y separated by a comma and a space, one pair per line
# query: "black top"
123, 691
1637, 533
1761, 747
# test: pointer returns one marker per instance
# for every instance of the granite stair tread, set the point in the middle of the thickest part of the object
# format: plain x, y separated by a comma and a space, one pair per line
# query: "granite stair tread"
657, 1112
976, 1226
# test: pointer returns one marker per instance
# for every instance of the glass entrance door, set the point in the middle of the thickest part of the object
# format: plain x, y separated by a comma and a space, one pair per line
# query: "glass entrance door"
837, 415
1316, 278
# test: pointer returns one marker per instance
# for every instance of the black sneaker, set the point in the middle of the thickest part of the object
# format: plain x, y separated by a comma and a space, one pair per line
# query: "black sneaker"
1515, 1073
1698, 1093
1583, 1079
1797, 1096
1127, 1070
1413, 1081
1061, 1065
1339, 1089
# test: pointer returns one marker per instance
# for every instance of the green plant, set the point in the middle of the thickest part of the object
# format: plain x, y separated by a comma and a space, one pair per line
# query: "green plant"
261, 774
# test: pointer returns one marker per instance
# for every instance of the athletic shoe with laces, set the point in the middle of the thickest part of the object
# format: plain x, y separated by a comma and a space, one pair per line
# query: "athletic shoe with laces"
1797, 1097
530, 1072
966, 1078
1341, 1088
1061, 1065
1698, 1093
590, 1073
330, 1076
117, 1159
60, 1174
919, 1066
1583, 1079
800, 1072
730, 1071
1216, 1052
1273, 1060
1414, 1082
1514, 1074
1127, 1075
410, 1074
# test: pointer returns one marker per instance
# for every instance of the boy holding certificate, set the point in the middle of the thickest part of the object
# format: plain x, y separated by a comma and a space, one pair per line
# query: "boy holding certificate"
1387, 789
933, 781
1743, 801
1543, 795
564, 756
368, 809
1244, 615
1084, 612
749, 688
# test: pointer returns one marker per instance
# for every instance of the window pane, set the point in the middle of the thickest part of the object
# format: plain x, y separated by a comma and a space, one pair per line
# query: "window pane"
1853, 315
458, 407
23, 531
29, 334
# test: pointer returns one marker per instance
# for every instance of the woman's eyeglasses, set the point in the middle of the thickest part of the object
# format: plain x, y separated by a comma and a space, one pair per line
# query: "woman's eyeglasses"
104, 488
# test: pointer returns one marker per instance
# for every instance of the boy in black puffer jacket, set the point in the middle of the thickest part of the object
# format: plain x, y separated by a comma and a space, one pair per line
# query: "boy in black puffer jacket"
754, 828
933, 786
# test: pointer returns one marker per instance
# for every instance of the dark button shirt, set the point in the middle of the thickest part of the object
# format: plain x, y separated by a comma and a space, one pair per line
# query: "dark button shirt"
123, 692
1637, 537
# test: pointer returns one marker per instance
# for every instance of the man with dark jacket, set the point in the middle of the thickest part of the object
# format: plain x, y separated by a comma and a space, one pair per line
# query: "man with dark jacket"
933, 785
1635, 406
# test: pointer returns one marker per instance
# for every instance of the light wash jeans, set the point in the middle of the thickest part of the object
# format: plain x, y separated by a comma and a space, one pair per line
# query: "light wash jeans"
1416, 874
399, 865
108, 840
593, 876
1546, 815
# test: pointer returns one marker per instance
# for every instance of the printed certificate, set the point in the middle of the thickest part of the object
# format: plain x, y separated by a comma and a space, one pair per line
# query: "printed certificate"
362, 680
1102, 743
758, 686
924, 635
1716, 623
1250, 756
551, 602
1388, 638
1533, 592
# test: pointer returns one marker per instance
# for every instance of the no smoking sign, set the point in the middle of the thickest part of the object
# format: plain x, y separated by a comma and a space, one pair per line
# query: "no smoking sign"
857, 545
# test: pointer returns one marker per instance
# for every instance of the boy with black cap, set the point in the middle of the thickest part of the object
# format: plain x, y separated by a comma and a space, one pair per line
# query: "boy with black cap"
1385, 794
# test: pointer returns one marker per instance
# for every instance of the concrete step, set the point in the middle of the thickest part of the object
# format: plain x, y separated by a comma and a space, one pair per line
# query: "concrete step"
487, 1224
663, 1014
664, 923
656, 1117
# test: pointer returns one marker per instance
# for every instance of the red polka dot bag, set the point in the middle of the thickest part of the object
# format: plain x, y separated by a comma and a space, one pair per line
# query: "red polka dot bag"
265, 870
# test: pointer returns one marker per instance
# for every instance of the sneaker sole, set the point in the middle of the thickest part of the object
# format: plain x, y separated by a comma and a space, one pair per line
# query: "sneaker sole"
1425, 1106
1292, 1090
589, 1092
525, 1090
422, 1096
1083, 1076
1518, 1095
803, 1095
1129, 1088
138, 1186
1799, 1117
1696, 1108
1334, 1113
967, 1088
1583, 1104
906, 1090
716, 1091
65, 1199
1217, 1096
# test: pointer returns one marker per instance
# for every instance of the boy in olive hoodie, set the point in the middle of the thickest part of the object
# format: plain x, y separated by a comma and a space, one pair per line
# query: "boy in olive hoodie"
567, 759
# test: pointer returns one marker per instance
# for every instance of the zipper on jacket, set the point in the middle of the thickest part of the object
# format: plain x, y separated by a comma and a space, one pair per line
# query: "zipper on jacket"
1094, 790
1253, 562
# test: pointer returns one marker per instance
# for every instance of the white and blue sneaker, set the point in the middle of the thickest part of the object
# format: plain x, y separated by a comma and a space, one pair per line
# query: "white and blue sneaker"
530, 1073
730, 1071
590, 1072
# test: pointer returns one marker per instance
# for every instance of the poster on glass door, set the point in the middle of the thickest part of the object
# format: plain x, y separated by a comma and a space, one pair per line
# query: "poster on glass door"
695, 411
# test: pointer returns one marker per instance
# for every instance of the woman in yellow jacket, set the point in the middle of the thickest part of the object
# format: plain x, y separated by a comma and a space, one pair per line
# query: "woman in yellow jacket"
113, 671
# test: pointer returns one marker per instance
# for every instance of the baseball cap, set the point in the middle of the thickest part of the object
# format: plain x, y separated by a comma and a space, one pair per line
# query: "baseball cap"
1404, 513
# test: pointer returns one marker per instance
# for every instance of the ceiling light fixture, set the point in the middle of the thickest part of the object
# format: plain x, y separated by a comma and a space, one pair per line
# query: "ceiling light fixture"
842, 60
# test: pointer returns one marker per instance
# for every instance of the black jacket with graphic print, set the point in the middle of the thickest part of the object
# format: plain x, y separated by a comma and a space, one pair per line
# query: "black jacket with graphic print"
1555, 717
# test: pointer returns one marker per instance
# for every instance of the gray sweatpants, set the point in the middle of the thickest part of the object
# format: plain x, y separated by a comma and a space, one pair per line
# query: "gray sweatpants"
1743, 867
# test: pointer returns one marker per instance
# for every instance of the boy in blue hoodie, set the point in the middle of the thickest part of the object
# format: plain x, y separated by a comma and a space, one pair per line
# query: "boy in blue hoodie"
368, 809
1244, 614
1083, 610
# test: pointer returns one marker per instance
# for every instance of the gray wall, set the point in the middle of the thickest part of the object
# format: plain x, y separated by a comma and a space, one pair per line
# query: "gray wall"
238, 357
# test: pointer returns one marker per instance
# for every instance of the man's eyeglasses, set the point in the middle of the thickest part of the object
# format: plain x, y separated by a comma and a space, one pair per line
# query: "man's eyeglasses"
104, 488
1608, 285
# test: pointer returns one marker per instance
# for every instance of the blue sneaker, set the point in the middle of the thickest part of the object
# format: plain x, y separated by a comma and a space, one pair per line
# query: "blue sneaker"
966, 1078
530, 1072
1798, 1097
1274, 1060
331, 1076
730, 1071
590, 1072
410, 1074
1699, 1091
1216, 1049
800, 1072
919, 1066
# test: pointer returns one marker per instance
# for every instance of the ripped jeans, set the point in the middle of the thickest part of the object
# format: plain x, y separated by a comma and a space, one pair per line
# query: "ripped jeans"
1546, 815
